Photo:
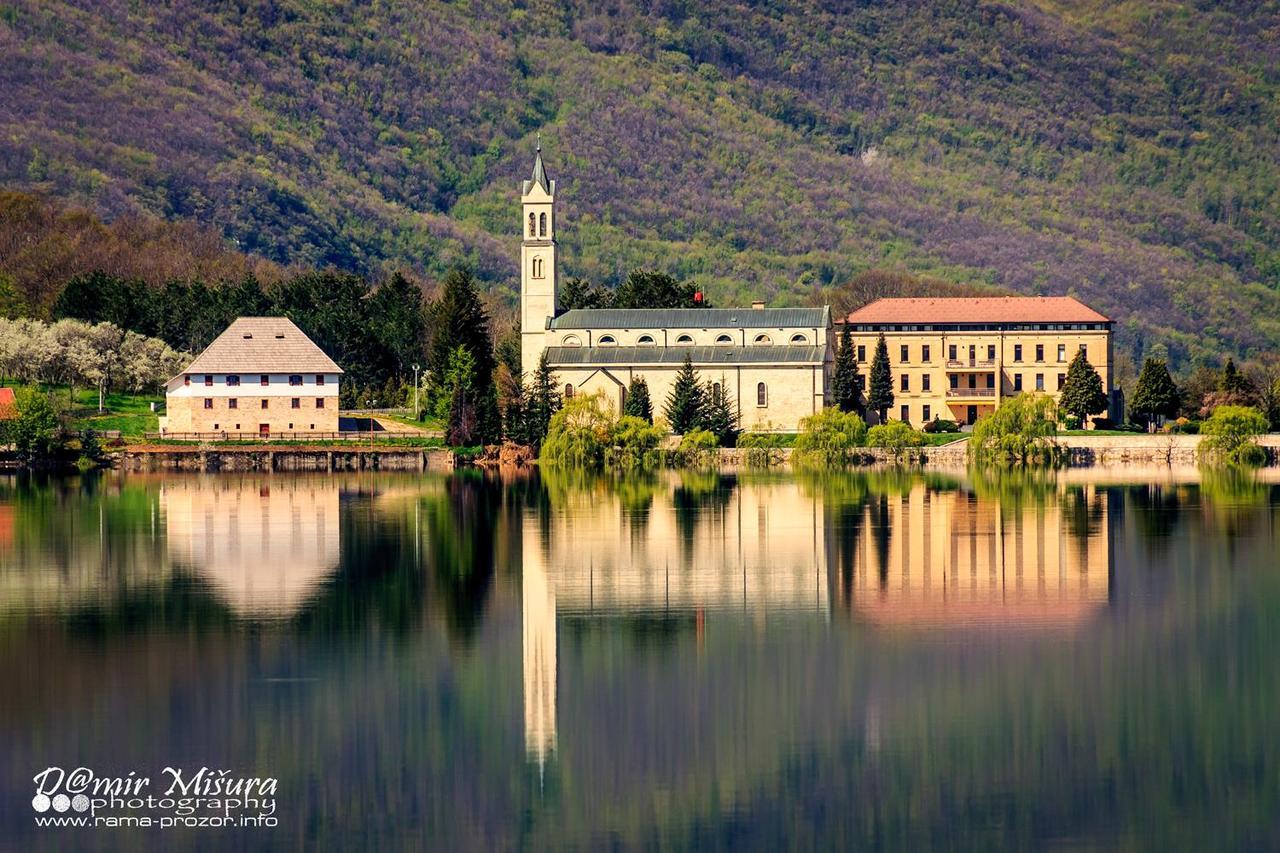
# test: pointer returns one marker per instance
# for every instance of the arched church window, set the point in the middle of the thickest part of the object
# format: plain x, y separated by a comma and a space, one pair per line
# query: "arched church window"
799, 340
607, 340
764, 341
537, 267
724, 341
684, 341
572, 341
645, 340
568, 391
532, 232
762, 394
542, 225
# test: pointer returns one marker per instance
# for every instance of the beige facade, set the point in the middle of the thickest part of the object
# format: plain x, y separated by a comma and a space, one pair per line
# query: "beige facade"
956, 359
260, 377
774, 363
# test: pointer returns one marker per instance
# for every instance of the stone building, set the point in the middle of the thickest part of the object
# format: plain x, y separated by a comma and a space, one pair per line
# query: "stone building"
260, 377
775, 363
957, 358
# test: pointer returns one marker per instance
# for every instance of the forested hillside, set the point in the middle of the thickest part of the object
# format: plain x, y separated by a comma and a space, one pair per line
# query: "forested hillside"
1122, 152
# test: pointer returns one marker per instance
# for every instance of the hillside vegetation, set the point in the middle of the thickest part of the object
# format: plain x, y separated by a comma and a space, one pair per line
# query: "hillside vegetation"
1122, 152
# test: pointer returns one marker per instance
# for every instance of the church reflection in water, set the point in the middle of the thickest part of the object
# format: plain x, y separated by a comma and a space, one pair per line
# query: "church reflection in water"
263, 544
914, 556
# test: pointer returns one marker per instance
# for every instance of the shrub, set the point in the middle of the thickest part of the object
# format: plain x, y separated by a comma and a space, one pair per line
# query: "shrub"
1229, 435
896, 436
762, 449
36, 432
829, 438
937, 425
634, 443
580, 433
1071, 422
697, 447
1020, 432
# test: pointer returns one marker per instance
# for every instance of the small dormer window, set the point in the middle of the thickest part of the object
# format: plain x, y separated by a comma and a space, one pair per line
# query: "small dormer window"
684, 341
608, 341
763, 341
280, 336
724, 341
248, 337
572, 341
799, 340
645, 341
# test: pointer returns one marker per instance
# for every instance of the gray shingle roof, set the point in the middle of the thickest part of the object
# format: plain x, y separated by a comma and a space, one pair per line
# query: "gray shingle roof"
691, 318
262, 345
700, 356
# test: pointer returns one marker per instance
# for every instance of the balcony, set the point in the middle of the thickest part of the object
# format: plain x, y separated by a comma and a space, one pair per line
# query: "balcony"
971, 363
970, 393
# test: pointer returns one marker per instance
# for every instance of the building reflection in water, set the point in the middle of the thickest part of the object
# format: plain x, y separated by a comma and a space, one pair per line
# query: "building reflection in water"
918, 557
263, 544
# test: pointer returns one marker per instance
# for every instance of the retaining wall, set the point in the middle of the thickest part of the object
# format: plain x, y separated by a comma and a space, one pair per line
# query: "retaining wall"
287, 459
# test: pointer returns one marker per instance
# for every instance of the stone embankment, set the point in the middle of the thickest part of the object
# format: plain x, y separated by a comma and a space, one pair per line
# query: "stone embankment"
195, 458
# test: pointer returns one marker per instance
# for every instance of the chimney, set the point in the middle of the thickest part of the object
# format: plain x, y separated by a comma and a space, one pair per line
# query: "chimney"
697, 298
757, 305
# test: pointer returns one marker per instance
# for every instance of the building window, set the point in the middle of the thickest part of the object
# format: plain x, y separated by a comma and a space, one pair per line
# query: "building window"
542, 225
906, 382
295, 379
1017, 381
905, 413
927, 415
991, 380
537, 267
233, 380
724, 341
533, 232
571, 341
924, 352
208, 402
1062, 352
607, 341
799, 340
1084, 348
645, 340
568, 391
862, 353
905, 353
237, 427
319, 402
233, 403
265, 379
991, 352
295, 403
1017, 352
264, 403
313, 426
955, 381
924, 384
215, 426
319, 378
763, 341
208, 380
186, 379
1039, 381
715, 388
762, 394
973, 380
684, 341
951, 353
1039, 352
1062, 380
291, 426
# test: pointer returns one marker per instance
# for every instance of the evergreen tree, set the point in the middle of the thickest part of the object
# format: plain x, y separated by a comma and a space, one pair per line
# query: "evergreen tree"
722, 415
637, 404
458, 319
1155, 394
515, 417
1082, 393
880, 396
651, 289
398, 320
541, 402
686, 406
579, 293
1233, 381
844, 382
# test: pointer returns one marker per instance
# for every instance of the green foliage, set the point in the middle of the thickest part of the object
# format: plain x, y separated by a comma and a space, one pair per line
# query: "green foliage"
585, 434
541, 402
634, 444
459, 320
697, 447
1082, 393
1229, 436
937, 425
686, 404
880, 395
721, 416
1155, 395
637, 403
844, 381
1020, 432
896, 436
829, 439
1233, 381
763, 449
36, 433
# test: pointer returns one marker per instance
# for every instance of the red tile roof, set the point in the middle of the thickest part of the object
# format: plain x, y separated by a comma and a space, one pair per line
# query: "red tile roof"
988, 309
8, 404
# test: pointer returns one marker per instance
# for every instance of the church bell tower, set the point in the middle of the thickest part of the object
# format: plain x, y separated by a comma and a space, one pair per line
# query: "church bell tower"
538, 276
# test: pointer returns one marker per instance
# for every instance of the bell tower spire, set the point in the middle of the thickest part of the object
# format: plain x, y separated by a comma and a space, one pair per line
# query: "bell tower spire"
538, 275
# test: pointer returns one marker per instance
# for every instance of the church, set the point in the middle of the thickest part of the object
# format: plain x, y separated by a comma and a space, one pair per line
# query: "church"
774, 363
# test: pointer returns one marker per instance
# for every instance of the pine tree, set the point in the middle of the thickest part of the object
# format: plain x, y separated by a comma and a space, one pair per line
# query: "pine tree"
685, 409
844, 382
1233, 380
458, 319
1082, 393
722, 415
637, 403
541, 401
1155, 394
880, 396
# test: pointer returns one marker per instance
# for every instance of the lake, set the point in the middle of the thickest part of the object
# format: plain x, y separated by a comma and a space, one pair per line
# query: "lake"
883, 660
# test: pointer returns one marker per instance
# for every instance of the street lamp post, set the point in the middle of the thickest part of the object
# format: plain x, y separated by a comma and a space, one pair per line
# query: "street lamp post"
415, 392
